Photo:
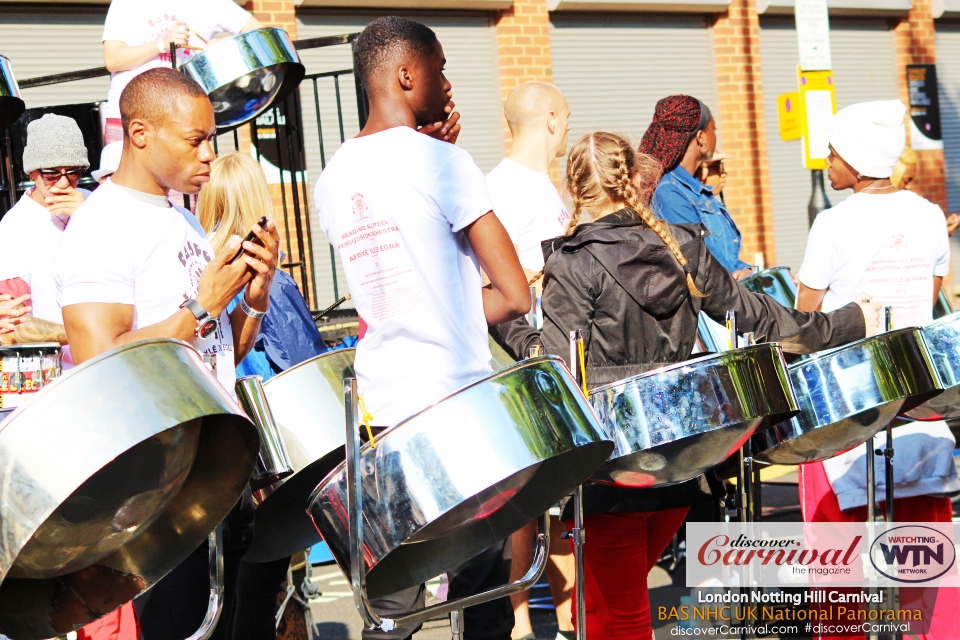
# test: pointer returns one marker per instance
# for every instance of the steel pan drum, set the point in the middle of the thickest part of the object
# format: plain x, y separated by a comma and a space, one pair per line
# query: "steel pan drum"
942, 339
674, 423
463, 474
109, 478
848, 394
246, 74
11, 102
307, 406
776, 282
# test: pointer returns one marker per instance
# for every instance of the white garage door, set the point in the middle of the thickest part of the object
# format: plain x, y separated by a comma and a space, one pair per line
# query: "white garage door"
41, 42
864, 65
470, 46
614, 68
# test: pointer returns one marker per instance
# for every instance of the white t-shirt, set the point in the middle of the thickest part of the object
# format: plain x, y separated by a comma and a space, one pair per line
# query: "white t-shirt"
30, 240
889, 245
120, 248
393, 204
136, 22
529, 207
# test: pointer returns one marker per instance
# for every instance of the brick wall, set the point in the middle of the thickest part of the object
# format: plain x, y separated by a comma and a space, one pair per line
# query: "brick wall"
523, 44
916, 44
736, 36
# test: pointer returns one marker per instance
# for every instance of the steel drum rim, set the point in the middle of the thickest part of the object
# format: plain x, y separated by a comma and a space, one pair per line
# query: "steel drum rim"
308, 362
232, 43
767, 272
686, 363
50, 388
813, 357
493, 375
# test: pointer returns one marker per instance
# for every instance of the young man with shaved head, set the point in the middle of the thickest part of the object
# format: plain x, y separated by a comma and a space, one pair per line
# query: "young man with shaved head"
523, 196
131, 266
532, 211
410, 218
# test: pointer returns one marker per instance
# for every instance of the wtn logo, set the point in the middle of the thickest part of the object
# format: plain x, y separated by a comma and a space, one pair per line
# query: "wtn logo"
922, 553
912, 553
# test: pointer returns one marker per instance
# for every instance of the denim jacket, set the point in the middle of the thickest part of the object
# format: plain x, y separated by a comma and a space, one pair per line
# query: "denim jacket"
682, 199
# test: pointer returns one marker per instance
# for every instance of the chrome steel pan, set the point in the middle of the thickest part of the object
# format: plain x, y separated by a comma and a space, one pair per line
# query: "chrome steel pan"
776, 282
942, 338
109, 478
847, 395
674, 423
307, 406
11, 102
246, 74
464, 473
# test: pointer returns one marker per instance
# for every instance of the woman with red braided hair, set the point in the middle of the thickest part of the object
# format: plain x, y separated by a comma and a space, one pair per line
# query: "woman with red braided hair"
635, 287
682, 135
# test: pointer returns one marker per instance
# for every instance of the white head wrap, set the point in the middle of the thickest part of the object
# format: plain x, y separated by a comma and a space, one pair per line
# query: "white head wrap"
870, 136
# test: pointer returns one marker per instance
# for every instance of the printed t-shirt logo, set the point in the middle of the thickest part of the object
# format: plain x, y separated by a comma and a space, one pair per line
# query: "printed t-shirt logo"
359, 207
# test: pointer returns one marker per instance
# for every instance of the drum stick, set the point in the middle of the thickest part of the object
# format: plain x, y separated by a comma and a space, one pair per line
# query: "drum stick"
202, 39
320, 314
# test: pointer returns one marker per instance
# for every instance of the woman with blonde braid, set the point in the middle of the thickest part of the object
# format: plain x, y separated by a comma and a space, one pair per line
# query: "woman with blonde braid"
635, 287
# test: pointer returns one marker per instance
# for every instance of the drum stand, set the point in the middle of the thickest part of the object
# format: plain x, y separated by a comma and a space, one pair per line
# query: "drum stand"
215, 605
578, 366
357, 563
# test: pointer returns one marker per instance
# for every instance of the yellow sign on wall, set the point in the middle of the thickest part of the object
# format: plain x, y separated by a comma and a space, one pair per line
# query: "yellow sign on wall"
788, 114
818, 103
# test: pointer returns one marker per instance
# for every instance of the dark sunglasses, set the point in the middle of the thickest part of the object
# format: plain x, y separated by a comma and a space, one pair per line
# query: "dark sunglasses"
52, 175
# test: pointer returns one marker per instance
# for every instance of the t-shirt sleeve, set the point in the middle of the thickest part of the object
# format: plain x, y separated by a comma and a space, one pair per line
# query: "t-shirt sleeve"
91, 267
818, 260
16, 255
228, 16
942, 265
117, 25
461, 190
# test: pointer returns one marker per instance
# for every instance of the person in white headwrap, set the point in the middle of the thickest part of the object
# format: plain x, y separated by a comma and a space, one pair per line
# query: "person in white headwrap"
892, 244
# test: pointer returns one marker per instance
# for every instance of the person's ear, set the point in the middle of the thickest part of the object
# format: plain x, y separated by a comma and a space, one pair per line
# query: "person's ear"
138, 131
405, 76
552, 123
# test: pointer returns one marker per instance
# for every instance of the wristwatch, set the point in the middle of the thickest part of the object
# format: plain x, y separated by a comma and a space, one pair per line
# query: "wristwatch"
206, 324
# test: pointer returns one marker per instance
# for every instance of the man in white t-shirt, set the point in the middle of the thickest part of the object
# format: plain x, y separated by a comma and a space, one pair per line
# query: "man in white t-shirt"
531, 211
138, 33
891, 244
55, 158
520, 188
131, 266
410, 218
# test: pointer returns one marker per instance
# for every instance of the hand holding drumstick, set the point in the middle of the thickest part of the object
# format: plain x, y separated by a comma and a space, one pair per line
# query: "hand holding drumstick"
12, 311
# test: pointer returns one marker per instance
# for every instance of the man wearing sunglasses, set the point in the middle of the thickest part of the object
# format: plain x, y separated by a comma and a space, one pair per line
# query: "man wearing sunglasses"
55, 159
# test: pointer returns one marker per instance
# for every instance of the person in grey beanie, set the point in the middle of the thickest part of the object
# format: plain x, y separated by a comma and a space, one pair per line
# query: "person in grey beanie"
55, 158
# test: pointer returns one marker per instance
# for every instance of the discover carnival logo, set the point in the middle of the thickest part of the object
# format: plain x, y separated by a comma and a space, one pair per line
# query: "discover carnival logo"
913, 553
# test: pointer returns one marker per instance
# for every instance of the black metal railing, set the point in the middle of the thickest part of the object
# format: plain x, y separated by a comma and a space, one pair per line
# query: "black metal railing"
277, 136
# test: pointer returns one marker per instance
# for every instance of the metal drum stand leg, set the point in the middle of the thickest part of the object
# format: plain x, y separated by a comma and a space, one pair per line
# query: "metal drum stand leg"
578, 366
358, 568
215, 605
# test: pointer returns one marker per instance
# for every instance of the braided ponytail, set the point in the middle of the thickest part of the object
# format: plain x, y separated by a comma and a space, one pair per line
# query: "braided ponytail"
625, 165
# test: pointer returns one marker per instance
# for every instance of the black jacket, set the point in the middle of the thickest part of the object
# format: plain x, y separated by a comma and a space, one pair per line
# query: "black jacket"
619, 283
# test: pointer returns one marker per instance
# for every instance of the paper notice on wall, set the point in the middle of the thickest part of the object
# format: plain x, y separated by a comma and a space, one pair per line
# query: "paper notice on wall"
819, 106
813, 34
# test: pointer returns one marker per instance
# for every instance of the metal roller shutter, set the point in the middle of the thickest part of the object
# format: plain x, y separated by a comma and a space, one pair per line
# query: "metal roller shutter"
865, 67
948, 77
470, 45
41, 42
603, 65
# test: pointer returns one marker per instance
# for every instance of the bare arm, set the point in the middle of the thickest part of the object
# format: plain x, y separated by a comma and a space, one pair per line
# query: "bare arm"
95, 327
33, 329
120, 56
507, 296
809, 299
251, 24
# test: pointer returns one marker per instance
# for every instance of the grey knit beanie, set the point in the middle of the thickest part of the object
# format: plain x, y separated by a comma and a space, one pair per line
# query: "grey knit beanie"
54, 141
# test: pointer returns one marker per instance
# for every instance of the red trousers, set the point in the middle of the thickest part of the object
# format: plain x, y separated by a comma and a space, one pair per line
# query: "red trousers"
940, 606
620, 549
118, 625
